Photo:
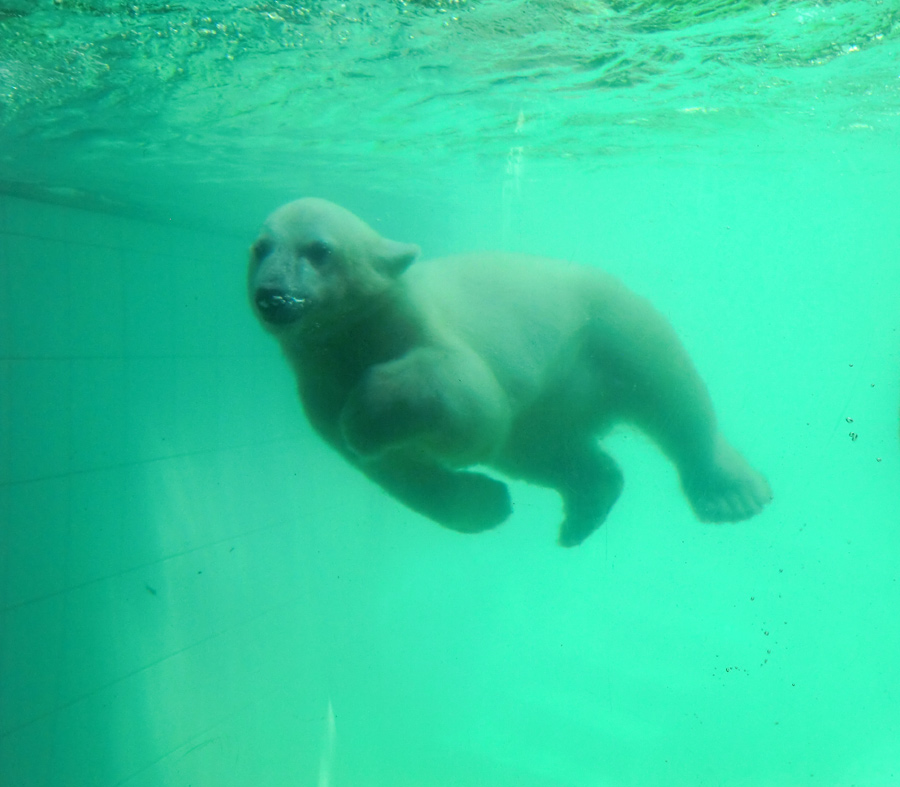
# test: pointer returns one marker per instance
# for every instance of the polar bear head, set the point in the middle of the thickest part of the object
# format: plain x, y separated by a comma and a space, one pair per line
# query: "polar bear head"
316, 266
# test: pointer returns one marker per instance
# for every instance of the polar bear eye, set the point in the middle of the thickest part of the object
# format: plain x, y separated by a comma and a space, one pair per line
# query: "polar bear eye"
317, 252
261, 249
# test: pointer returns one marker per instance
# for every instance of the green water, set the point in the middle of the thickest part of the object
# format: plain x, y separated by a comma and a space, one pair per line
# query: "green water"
195, 591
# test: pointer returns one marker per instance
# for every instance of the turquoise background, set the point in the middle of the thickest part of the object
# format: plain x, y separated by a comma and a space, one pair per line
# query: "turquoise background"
194, 590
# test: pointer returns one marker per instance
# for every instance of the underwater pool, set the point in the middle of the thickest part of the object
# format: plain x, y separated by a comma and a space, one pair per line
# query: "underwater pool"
196, 590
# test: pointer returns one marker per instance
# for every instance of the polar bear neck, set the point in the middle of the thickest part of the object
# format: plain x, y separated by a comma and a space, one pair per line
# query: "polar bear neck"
387, 328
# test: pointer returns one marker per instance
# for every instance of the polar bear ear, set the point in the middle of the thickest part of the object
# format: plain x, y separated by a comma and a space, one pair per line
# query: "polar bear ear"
394, 257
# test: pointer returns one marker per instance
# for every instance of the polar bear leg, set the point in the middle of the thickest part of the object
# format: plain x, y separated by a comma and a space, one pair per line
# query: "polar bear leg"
463, 501
587, 478
592, 486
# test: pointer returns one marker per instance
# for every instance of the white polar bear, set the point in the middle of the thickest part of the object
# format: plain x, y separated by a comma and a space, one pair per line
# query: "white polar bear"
514, 362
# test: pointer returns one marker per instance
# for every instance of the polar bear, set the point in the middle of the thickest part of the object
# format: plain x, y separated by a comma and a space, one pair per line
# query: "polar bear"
414, 373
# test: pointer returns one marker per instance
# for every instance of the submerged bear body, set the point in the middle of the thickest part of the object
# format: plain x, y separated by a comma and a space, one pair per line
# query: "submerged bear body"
416, 372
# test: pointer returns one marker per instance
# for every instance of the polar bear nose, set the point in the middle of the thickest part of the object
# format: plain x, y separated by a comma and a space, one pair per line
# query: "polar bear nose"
278, 307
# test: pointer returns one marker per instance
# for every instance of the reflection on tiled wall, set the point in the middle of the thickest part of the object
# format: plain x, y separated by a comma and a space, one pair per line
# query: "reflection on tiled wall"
153, 602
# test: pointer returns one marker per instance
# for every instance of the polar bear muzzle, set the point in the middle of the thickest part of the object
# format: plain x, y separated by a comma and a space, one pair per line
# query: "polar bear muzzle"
277, 307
